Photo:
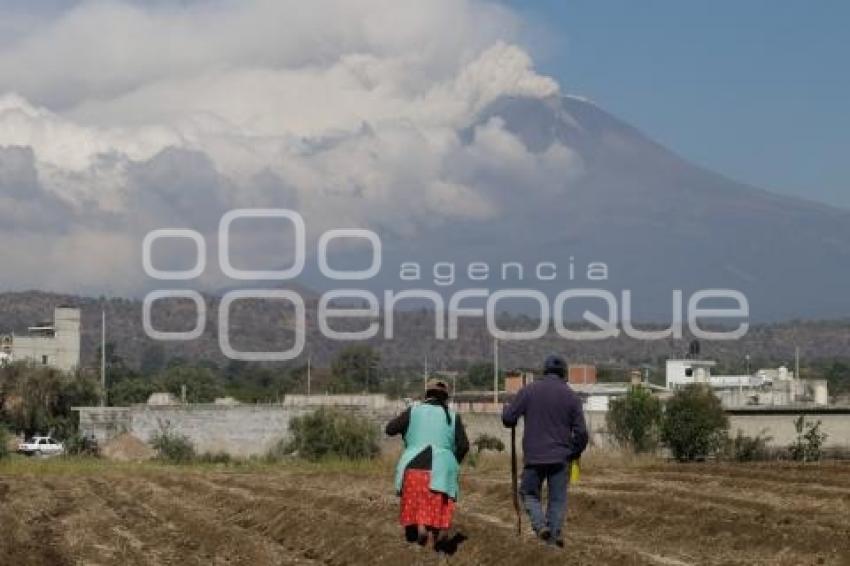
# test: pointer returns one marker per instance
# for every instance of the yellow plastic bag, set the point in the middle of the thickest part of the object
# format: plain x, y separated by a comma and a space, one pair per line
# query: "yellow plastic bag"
575, 470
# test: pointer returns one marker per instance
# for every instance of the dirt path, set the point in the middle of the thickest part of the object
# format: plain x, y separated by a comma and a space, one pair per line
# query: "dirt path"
666, 515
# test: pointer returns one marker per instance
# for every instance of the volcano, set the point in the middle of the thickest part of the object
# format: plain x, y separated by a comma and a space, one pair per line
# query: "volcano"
659, 221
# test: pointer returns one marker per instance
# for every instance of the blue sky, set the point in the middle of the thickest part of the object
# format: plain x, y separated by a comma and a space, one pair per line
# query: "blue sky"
757, 89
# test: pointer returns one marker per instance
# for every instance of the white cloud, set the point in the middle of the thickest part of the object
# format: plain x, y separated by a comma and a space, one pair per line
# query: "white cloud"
106, 48
140, 115
68, 145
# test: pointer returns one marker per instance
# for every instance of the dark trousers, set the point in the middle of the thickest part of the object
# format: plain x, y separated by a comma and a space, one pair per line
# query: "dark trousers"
556, 477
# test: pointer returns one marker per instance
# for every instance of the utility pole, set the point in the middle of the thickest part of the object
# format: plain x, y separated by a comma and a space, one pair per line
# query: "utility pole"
796, 362
495, 371
797, 388
425, 377
309, 358
103, 357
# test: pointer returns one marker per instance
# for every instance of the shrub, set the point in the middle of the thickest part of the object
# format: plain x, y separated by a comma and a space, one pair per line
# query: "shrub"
278, 451
80, 445
215, 458
488, 442
332, 432
173, 447
745, 448
694, 424
809, 443
633, 420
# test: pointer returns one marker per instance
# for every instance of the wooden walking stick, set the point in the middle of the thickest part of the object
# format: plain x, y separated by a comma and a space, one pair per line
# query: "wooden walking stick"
514, 483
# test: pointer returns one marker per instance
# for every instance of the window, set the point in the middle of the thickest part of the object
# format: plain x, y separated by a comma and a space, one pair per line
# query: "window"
689, 372
44, 360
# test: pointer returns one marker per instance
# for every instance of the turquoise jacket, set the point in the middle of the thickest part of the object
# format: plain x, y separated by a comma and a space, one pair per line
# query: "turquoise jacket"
428, 427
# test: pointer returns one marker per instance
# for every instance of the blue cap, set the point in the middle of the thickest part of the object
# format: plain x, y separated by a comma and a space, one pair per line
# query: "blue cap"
554, 364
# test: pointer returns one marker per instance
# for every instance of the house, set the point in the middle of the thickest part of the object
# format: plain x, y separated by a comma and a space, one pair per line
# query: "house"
54, 344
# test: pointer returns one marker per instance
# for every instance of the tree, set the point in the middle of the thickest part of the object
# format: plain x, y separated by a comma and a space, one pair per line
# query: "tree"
810, 440
356, 368
4, 442
130, 391
256, 383
153, 359
633, 420
395, 387
116, 368
838, 376
114, 361
608, 375
40, 399
694, 425
202, 384
479, 376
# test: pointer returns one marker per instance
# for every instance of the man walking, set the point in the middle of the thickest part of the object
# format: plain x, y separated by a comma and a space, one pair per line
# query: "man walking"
555, 433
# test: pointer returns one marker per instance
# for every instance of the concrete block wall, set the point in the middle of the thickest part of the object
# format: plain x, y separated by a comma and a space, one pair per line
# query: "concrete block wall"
781, 427
103, 423
778, 426
245, 430
367, 402
241, 430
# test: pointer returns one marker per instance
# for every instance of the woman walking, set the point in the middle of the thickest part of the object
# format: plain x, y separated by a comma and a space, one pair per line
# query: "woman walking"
426, 476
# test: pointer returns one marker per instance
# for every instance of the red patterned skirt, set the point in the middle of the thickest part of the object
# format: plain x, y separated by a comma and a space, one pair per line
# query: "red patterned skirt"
420, 505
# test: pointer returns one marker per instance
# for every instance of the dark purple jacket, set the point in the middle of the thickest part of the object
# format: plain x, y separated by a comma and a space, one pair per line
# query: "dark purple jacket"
555, 431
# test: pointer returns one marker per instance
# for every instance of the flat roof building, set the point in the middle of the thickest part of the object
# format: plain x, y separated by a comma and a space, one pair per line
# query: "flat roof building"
773, 387
581, 374
55, 344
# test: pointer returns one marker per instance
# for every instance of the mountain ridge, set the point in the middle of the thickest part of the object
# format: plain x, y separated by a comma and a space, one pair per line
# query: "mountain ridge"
768, 343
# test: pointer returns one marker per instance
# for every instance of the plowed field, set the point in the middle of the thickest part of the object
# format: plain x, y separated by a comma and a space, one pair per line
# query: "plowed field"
57, 513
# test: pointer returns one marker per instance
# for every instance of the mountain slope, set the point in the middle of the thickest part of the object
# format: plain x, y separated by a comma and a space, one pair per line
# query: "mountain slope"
768, 344
662, 223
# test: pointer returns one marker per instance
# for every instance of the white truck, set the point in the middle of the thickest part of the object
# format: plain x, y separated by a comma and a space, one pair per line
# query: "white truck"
41, 446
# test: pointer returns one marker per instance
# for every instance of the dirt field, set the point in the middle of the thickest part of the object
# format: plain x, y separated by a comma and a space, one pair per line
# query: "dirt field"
71, 512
